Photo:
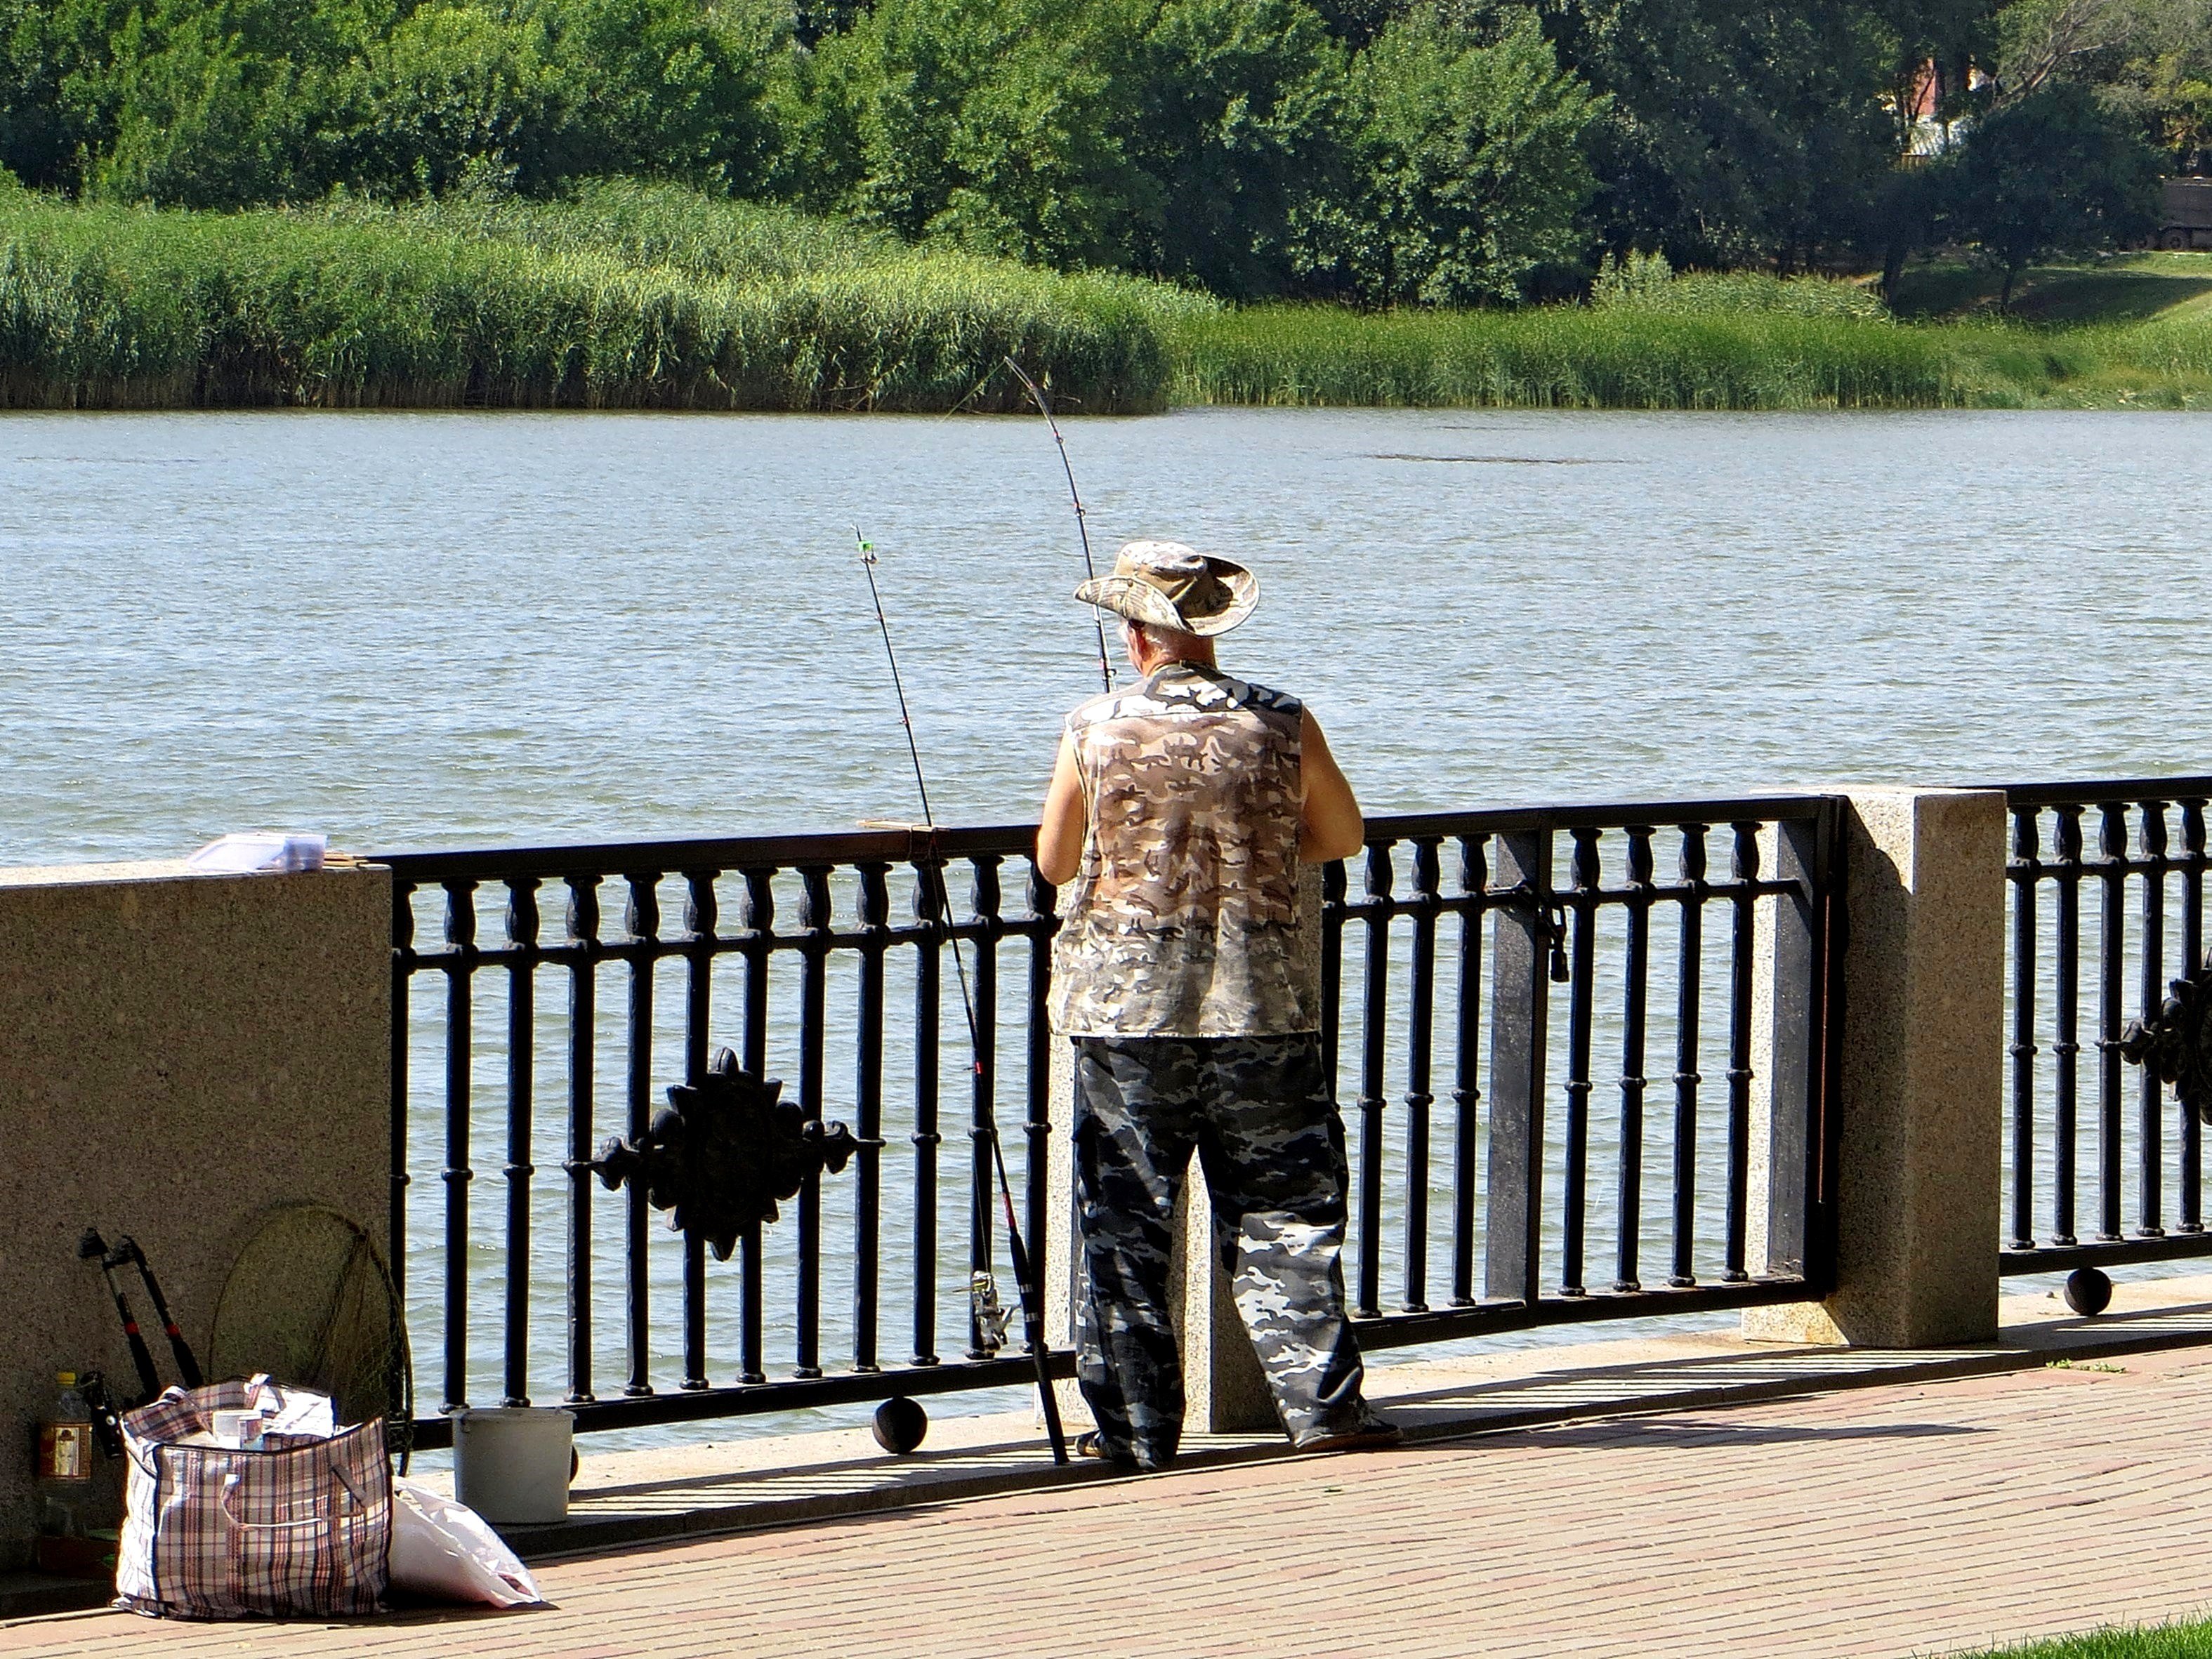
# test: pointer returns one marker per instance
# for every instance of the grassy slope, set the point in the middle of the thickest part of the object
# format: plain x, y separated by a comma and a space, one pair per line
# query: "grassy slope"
2184, 1641
2138, 287
2134, 332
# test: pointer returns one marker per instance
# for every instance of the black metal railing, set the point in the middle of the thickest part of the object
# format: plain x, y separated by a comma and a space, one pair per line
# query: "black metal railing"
2108, 860
1462, 927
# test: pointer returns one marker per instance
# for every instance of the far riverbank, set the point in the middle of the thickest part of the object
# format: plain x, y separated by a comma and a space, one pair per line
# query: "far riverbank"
639, 298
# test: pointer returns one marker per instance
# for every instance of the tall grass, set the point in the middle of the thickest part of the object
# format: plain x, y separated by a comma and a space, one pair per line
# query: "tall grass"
642, 223
121, 307
1645, 282
1564, 357
1628, 357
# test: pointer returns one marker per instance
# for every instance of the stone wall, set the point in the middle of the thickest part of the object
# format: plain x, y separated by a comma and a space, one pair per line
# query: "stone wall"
178, 1056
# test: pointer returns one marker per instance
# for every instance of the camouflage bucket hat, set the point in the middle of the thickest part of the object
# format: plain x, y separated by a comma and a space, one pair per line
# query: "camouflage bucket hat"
1167, 585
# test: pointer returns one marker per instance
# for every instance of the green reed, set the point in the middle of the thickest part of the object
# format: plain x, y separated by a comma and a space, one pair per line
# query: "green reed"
121, 307
1631, 357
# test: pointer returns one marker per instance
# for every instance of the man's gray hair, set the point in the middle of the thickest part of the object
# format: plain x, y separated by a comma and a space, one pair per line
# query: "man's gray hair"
1175, 640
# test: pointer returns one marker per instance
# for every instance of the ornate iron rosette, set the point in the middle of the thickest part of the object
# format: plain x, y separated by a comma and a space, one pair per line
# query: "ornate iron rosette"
723, 1152
2176, 1048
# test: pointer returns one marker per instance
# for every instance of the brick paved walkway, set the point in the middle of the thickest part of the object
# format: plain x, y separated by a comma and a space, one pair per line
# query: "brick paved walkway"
1887, 1521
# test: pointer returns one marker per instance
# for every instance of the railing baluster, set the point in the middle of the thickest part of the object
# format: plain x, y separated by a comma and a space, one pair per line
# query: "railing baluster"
702, 912
2026, 871
1037, 1217
814, 917
2111, 917
1420, 1020
521, 1054
874, 916
404, 963
928, 964
1743, 872
1467, 1075
2193, 948
1520, 1009
755, 934
1373, 1045
642, 924
2066, 1008
459, 963
2150, 1142
1582, 903
583, 1051
1629, 1207
1691, 874
983, 1077
1333, 887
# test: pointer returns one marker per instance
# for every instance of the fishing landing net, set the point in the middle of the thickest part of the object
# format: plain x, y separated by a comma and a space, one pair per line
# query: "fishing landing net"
310, 1301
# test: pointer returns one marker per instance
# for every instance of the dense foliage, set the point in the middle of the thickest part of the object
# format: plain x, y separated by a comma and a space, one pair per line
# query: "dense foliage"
1379, 151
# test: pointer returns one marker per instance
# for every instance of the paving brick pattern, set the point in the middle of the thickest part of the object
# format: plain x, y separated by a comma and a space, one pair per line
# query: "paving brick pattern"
1888, 1521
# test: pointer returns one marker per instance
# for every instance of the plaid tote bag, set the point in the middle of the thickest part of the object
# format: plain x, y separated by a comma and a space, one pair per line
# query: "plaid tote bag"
299, 1528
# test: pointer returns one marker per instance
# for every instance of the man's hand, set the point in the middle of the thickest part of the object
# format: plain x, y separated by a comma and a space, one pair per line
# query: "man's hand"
1059, 835
1329, 825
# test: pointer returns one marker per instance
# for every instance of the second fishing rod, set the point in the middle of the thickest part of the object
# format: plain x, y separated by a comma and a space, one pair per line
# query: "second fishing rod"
937, 905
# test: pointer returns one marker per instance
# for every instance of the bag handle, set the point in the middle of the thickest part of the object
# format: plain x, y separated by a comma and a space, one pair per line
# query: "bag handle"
230, 1484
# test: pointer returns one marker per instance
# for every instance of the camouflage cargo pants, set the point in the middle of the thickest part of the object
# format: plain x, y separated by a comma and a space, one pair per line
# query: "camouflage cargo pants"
1258, 1113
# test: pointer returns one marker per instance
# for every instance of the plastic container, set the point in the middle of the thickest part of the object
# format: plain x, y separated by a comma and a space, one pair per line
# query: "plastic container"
65, 1437
511, 1463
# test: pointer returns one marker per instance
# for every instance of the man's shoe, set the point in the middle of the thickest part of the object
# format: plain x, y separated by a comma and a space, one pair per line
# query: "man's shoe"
1092, 1445
1371, 1436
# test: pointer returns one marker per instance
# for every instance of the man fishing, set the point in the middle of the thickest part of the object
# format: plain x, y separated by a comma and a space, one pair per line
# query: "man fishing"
1182, 809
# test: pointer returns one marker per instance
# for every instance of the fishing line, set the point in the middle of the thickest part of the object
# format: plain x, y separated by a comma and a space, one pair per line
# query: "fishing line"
940, 903
1082, 515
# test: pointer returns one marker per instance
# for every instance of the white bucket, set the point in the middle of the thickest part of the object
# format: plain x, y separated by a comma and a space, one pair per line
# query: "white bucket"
511, 1463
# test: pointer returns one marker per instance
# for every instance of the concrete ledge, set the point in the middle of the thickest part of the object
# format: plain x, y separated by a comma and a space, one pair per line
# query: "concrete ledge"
179, 1055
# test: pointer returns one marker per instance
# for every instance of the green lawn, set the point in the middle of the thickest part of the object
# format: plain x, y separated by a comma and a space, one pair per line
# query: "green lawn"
2129, 289
2192, 1640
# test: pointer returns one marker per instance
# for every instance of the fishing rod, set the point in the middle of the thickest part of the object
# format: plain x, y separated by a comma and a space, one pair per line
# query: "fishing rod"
91, 1247
1082, 515
940, 903
188, 1364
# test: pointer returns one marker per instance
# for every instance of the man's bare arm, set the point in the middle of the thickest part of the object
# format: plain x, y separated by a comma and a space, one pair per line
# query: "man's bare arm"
1329, 825
1059, 835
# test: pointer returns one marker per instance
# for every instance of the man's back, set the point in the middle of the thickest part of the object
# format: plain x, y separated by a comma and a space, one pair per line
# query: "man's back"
1184, 917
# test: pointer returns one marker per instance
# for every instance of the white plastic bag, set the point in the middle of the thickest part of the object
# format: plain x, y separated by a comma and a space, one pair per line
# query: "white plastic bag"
246, 852
443, 1549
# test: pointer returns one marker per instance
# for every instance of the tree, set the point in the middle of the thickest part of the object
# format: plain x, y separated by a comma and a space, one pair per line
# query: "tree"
1471, 170
2149, 59
1177, 137
987, 123
2054, 173
1232, 114
1735, 132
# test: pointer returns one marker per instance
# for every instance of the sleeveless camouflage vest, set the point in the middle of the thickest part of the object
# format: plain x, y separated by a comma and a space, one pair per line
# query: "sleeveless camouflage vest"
1183, 921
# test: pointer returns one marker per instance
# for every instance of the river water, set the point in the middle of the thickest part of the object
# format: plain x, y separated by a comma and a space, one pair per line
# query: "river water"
453, 629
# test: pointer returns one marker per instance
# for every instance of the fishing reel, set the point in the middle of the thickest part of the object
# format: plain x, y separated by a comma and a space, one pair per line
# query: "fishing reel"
991, 1316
